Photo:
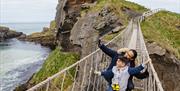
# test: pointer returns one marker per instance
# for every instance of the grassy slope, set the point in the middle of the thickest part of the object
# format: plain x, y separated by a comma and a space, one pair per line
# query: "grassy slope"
49, 32
116, 6
162, 28
56, 61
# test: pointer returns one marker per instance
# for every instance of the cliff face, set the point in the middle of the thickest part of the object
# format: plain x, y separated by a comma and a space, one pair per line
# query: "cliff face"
166, 65
66, 17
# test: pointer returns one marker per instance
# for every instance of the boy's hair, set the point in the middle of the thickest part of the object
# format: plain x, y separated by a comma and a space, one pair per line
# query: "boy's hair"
123, 59
135, 54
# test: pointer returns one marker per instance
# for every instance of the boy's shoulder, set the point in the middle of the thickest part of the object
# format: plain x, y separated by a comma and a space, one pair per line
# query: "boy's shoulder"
124, 69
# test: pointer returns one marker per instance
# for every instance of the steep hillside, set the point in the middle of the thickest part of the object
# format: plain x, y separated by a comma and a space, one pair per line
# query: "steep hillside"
162, 33
164, 28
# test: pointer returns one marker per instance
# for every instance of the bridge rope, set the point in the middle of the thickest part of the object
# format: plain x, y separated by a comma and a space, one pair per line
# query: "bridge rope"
68, 79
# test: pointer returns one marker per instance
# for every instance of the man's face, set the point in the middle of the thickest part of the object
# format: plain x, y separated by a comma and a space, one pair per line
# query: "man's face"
129, 55
119, 63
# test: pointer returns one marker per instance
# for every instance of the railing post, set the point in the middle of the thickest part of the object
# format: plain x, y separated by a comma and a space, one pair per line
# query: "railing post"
47, 86
63, 80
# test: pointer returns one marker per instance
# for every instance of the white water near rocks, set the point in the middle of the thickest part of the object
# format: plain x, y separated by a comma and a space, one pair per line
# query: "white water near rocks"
19, 60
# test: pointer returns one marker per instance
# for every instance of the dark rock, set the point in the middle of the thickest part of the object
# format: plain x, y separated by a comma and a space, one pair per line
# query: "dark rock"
166, 65
6, 33
178, 27
45, 38
155, 49
84, 35
22, 37
131, 13
106, 21
67, 15
87, 5
45, 29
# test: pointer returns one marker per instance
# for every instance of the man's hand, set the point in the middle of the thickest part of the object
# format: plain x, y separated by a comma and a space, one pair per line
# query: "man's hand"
99, 42
123, 50
148, 61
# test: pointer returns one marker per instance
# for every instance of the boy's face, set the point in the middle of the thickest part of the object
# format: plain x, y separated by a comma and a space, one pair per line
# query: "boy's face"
119, 63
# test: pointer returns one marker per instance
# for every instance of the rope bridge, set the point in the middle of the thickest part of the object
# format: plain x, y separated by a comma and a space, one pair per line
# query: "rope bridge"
79, 76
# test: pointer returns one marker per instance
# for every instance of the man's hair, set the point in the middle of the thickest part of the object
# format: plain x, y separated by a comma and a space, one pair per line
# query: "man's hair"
135, 54
123, 59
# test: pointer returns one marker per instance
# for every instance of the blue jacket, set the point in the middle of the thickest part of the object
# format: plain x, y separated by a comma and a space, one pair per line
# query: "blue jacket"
111, 53
108, 74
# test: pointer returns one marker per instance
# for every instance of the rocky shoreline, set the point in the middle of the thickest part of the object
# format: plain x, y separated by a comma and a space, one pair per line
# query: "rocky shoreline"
46, 38
6, 33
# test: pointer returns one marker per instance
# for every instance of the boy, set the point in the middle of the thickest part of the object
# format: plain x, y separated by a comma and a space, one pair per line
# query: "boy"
121, 73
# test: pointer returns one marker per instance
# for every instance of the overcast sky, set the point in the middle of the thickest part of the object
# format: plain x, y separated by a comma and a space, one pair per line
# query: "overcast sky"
44, 10
171, 5
27, 10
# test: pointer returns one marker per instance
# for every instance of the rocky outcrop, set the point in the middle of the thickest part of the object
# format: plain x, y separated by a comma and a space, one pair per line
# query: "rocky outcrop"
107, 21
84, 35
131, 13
66, 16
104, 21
45, 38
166, 65
6, 33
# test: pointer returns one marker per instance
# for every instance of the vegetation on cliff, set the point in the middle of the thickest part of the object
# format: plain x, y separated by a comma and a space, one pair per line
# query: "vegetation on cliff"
123, 9
56, 61
163, 28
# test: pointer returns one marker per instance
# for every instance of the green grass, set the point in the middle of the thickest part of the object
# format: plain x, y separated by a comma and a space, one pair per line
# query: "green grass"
56, 61
110, 36
116, 7
48, 34
52, 25
118, 4
162, 28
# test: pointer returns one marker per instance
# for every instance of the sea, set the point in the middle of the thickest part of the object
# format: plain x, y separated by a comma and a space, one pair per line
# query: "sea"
19, 60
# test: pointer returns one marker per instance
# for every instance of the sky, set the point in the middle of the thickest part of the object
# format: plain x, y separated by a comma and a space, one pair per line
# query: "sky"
170, 5
27, 10
45, 10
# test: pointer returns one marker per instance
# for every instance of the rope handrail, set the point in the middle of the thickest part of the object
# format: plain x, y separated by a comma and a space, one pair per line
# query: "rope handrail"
154, 73
128, 32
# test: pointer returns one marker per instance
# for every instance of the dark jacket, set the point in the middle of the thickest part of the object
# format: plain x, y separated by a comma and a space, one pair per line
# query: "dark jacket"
114, 55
